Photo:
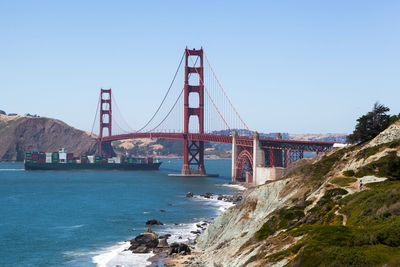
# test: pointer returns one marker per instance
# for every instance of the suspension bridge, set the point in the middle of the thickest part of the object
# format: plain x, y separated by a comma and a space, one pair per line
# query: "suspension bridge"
200, 111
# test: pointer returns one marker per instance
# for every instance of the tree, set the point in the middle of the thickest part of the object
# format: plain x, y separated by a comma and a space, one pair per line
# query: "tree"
3, 112
371, 124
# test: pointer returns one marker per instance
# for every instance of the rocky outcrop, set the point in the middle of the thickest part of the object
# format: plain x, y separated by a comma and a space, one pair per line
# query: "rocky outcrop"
144, 242
20, 134
154, 222
390, 134
179, 248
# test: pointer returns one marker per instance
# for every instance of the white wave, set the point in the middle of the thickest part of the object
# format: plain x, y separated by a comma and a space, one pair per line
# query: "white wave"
70, 227
77, 226
180, 233
76, 254
236, 186
221, 205
118, 255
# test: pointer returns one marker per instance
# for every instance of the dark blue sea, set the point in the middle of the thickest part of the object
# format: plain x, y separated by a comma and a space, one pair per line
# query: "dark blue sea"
82, 218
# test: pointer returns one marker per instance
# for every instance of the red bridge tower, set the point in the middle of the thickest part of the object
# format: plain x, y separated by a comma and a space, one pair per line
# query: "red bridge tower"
193, 151
105, 122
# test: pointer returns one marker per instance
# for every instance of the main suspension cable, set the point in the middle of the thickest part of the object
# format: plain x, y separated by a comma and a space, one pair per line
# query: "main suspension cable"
173, 106
162, 102
169, 111
122, 117
95, 116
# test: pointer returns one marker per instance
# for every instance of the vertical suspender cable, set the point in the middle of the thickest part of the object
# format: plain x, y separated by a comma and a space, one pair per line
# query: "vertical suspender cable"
95, 116
227, 96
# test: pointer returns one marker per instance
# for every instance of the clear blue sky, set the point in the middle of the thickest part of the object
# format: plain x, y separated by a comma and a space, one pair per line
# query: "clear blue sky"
288, 66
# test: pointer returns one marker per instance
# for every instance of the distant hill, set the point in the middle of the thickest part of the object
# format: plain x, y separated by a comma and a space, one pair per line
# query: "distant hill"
25, 133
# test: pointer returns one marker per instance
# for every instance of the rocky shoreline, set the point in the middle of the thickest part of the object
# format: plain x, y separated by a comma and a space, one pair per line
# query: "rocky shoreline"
175, 253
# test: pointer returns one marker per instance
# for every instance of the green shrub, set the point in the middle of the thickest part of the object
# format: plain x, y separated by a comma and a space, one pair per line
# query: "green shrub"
320, 168
282, 219
389, 234
348, 173
342, 181
369, 151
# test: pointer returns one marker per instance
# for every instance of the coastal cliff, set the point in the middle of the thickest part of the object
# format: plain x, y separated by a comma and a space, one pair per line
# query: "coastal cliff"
317, 215
23, 133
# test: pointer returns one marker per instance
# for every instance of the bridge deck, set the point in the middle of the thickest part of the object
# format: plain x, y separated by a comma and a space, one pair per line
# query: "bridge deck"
269, 143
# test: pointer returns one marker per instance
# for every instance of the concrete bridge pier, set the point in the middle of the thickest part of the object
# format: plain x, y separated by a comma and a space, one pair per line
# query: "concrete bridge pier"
258, 159
234, 156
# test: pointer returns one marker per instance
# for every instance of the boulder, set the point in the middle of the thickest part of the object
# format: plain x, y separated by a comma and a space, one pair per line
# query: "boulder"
207, 195
141, 249
154, 222
179, 248
144, 242
189, 194
162, 210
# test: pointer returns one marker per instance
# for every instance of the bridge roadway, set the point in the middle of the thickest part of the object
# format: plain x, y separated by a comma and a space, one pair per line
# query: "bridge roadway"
265, 143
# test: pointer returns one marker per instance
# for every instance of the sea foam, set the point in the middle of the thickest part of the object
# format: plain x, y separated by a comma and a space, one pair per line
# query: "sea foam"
119, 255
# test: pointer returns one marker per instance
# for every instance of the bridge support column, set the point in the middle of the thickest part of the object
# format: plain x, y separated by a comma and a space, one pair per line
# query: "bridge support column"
234, 156
258, 156
105, 118
193, 151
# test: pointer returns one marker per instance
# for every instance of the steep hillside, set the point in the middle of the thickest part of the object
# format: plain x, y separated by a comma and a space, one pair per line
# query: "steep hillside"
20, 133
317, 215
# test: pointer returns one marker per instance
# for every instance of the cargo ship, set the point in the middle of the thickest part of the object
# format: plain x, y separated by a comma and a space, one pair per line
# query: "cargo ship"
62, 160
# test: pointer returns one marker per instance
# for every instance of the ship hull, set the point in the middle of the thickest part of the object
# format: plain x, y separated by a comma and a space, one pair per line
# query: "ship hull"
92, 166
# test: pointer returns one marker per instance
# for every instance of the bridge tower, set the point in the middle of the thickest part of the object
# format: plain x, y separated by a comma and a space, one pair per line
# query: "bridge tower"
105, 121
193, 151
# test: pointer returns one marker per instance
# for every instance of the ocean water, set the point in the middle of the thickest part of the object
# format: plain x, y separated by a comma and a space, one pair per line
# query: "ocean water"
82, 218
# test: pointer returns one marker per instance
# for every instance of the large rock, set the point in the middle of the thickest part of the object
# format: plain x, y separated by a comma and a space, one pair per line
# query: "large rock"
154, 222
179, 248
144, 242
207, 195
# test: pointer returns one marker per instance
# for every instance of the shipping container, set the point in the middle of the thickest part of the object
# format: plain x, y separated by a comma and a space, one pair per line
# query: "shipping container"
116, 160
